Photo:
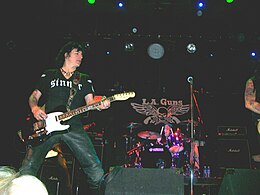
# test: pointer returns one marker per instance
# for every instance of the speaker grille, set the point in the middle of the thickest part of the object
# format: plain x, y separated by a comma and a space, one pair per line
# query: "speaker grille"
133, 181
233, 153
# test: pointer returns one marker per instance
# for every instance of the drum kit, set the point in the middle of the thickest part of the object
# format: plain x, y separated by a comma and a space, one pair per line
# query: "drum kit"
145, 149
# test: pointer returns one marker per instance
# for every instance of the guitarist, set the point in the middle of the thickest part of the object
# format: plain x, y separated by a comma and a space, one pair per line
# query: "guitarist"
55, 86
252, 102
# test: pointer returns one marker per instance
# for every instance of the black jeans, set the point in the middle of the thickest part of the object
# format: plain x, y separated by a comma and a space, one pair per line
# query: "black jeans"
80, 145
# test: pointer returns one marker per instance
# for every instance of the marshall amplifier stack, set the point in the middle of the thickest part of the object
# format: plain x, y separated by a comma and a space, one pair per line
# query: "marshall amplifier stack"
233, 147
231, 132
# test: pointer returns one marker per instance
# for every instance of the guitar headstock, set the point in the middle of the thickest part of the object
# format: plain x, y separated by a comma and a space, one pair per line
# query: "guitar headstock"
124, 96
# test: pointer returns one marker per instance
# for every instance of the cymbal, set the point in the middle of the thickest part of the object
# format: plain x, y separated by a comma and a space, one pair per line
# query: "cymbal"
149, 135
133, 125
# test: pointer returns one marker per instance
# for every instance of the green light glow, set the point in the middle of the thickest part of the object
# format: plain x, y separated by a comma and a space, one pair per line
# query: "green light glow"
229, 1
91, 1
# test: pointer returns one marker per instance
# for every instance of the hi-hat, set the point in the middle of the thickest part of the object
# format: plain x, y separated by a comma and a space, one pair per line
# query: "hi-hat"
149, 135
133, 125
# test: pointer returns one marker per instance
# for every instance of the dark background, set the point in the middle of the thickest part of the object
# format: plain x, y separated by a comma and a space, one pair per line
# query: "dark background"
32, 32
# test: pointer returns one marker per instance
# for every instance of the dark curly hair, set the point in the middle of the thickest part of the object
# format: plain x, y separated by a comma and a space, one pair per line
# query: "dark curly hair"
67, 48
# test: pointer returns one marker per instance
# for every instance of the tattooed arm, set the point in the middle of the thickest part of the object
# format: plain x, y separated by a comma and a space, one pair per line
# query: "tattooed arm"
250, 97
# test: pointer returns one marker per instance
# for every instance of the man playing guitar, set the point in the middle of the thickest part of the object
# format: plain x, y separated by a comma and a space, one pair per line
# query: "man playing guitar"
64, 86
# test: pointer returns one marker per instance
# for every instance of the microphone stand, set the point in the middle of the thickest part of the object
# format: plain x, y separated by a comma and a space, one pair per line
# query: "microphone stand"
190, 80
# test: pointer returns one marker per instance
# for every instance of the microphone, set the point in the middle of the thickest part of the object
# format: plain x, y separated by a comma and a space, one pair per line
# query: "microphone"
190, 79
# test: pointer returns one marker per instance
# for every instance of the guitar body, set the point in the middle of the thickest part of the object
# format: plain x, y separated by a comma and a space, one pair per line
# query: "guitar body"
38, 132
53, 124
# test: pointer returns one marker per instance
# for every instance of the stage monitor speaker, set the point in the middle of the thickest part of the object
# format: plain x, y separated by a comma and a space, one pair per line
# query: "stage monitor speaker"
240, 181
233, 153
145, 181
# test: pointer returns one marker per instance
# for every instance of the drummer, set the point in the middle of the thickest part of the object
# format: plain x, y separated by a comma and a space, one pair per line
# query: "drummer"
169, 139
166, 135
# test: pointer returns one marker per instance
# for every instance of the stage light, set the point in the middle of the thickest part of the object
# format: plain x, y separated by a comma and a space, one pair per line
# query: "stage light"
155, 51
134, 30
253, 54
199, 13
120, 4
191, 48
91, 1
86, 45
129, 47
229, 1
200, 4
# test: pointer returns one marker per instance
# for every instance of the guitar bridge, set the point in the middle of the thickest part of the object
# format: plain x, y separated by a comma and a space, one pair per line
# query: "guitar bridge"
38, 133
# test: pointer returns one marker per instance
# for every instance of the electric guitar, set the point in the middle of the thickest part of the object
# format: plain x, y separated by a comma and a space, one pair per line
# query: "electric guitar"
54, 122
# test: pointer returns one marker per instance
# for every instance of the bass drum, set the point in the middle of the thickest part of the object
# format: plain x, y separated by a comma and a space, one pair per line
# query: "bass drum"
155, 156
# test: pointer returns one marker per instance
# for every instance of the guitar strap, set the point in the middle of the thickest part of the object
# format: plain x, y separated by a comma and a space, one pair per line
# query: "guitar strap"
73, 89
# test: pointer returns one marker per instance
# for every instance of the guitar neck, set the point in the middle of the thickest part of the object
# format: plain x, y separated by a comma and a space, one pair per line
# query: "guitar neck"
83, 109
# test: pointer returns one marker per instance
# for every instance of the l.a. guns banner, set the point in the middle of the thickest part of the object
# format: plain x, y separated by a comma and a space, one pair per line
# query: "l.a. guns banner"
157, 111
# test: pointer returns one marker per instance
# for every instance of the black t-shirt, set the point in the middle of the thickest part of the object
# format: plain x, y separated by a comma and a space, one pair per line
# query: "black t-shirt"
55, 89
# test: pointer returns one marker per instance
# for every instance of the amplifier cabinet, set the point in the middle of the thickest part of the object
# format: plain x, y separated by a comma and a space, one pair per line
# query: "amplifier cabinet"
232, 131
233, 153
54, 176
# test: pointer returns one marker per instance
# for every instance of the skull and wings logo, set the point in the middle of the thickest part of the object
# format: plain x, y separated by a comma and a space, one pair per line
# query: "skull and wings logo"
162, 114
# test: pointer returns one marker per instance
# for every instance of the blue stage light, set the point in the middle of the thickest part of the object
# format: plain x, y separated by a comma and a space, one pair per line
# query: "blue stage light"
201, 4
253, 54
120, 4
